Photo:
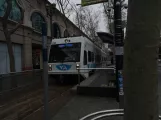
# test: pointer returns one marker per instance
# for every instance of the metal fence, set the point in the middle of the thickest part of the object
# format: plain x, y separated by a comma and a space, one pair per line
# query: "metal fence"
16, 80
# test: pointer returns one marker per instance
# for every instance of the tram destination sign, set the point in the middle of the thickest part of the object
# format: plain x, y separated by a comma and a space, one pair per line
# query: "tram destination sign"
91, 2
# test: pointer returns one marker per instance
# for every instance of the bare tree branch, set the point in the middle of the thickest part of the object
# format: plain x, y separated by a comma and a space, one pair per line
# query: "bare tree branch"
21, 21
65, 9
109, 14
8, 9
6, 15
87, 21
8, 32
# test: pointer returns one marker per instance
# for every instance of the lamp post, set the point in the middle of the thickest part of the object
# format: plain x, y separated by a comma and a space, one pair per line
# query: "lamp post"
50, 10
45, 61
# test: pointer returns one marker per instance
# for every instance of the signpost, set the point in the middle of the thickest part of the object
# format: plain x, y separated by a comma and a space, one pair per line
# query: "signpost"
118, 37
118, 40
91, 2
45, 71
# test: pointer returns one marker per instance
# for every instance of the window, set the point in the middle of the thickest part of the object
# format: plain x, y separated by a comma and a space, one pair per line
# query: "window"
89, 56
66, 34
65, 53
92, 55
56, 31
95, 58
111, 53
159, 52
85, 58
15, 14
98, 58
37, 21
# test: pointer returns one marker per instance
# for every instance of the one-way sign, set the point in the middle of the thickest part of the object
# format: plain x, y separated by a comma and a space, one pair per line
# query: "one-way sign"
90, 2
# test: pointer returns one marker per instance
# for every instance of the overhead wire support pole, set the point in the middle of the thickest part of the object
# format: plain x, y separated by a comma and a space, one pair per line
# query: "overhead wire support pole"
118, 37
45, 71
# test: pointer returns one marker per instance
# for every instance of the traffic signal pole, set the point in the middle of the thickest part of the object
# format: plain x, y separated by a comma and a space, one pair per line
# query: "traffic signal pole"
118, 39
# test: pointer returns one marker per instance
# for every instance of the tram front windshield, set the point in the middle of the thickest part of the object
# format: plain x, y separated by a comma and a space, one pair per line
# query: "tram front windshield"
65, 53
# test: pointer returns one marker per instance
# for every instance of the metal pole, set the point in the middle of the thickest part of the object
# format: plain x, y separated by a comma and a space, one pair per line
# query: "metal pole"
77, 67
51, 24
45, 71
79, 76
118, 50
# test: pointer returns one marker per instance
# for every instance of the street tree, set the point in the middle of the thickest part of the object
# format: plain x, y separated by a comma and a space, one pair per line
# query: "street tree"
108, 12
65, 8
140, 60
87, 20
8, 31
8, 6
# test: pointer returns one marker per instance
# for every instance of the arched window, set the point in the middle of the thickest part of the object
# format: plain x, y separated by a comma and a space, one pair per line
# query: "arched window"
15, 12
66, 33
56, 31
37, 20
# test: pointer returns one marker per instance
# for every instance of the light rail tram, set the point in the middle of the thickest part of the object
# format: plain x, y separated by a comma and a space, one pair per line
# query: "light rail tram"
66, 54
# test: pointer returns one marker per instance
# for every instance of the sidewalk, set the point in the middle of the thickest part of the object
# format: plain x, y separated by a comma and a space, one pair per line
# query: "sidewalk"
80, 106
95, 88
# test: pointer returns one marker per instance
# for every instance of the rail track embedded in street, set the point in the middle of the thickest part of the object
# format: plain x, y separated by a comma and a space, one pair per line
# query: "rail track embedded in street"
30, 103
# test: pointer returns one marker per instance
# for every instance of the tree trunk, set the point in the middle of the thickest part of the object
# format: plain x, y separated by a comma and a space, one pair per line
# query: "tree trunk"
11, 54
11, 59
140, 60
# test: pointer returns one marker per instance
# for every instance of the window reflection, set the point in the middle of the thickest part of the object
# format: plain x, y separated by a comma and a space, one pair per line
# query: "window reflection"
56, 31
15, 12
66, 34
37, 21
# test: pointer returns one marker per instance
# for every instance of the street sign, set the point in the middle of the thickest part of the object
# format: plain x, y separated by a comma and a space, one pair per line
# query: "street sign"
91, 2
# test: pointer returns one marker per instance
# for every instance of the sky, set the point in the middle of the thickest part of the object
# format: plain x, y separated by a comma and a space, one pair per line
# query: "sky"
96, 7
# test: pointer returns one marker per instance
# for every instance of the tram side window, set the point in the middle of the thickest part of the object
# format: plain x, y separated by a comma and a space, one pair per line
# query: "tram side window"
92, 55
98, 58
89, 56
85, 58
95, 57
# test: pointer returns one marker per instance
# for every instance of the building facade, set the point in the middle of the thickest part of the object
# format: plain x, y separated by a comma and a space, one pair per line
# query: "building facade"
27, 40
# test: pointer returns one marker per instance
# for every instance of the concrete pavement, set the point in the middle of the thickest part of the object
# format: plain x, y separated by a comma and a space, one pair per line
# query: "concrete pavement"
80, 106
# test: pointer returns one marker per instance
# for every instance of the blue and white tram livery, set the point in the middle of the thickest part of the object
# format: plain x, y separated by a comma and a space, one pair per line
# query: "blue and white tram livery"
66, 53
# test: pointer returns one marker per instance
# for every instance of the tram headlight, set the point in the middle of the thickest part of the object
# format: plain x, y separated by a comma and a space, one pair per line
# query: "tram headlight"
77, 66
50, 67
